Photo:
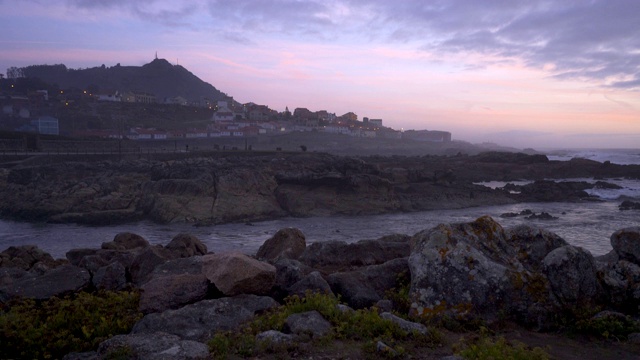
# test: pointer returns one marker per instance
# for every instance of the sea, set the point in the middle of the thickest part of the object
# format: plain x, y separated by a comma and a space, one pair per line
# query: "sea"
588, 225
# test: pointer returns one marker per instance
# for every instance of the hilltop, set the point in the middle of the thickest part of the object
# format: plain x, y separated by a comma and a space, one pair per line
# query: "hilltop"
159, 77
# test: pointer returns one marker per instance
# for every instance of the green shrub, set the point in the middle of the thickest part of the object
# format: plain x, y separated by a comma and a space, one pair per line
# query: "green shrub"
608, 327
361, 325
55, 327
486, 348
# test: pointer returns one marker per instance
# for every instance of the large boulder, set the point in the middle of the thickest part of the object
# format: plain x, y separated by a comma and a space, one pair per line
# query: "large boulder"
152, 346
286, 243
236, 273
125, 241
186, 245
478, 269
55, 282
572, 275
621, 280
364, 287
626, 242
172, 291
201, 320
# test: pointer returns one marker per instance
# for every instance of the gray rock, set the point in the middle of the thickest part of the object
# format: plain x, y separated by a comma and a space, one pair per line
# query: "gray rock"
532, 244
621, 281
385, 350
405, 325
201, 320
289, 272
286, 243
364, 287
172, 291
273, 339
55, 282
626, 242
153, 346
125, 241
338, 255
314, 282
572, 275
310, 323
472, 269
25, 257
146, 261
236, 273
186, 245
76, 255
110, 277
634, 338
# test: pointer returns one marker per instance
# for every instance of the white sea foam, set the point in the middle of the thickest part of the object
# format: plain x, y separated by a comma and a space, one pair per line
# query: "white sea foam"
615, 156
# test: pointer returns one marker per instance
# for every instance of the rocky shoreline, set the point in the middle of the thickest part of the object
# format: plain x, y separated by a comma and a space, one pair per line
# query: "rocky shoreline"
253, 186
465, 271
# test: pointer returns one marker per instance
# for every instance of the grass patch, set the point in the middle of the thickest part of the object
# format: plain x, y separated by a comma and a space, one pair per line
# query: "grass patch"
488, 348
361, 325
57, 326
608, 327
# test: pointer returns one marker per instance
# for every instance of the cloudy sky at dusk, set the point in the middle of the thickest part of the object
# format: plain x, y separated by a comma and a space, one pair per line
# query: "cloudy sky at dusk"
531, 73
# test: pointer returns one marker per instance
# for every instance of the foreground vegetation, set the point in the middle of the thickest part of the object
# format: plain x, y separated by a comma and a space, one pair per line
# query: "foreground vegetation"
50, 329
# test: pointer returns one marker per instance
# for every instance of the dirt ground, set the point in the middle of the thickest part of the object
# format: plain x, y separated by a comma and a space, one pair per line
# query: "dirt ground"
558, 346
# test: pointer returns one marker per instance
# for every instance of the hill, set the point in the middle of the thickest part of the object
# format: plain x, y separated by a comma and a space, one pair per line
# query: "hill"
158, 77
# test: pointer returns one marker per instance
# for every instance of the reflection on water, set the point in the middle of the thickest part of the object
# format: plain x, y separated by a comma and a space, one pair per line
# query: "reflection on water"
586, 225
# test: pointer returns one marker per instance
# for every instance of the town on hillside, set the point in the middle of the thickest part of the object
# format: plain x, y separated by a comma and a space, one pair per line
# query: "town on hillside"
30, 105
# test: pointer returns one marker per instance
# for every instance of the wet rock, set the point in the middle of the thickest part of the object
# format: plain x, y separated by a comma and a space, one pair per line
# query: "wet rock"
626, 242
125, 241
629, 205
286, 243
201, 320
542, 216
186, 245
153, 346
236, 273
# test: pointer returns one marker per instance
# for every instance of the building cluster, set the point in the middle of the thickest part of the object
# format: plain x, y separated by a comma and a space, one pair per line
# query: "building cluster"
229, 119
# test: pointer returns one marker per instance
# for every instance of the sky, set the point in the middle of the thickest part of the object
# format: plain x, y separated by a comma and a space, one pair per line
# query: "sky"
531, 73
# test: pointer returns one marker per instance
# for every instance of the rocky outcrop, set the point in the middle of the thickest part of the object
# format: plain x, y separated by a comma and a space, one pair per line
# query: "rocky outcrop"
246, 186
470, 270
186, 245
59, 281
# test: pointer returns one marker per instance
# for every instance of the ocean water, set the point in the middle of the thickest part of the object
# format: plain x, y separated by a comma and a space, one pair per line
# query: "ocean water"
588, 225
615, 156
